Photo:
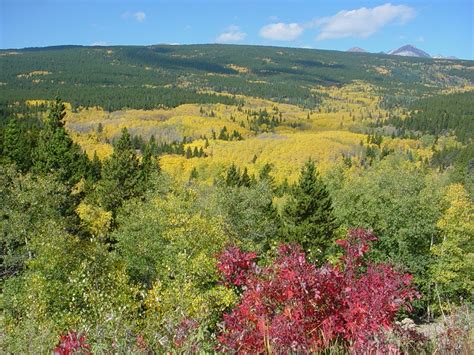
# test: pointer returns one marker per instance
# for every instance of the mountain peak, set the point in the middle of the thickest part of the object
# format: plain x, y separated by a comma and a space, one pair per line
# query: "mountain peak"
409, 51
356, 50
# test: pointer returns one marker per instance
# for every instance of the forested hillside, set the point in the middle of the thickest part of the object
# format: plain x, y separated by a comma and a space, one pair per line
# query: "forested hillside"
237, 199
153, 76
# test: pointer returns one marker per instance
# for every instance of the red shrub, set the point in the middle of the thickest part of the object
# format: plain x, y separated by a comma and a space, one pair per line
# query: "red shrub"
293, 306
72, 343
235, 265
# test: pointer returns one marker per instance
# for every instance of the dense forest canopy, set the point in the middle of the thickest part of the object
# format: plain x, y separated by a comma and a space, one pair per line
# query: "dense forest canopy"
151, 76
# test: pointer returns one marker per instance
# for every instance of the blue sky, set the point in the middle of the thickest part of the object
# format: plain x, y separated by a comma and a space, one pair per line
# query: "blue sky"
438, 26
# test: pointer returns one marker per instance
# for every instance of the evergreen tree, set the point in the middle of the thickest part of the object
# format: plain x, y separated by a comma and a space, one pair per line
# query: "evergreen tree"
56, 152
16, 146
308, 215
223, 135
122, 175
95, 168
153, 146
189, 153
193, 175
264, 175
149, 164
245, 179
233, 176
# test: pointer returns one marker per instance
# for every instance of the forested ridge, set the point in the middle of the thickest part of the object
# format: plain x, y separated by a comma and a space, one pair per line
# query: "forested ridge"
152, 76
235, 199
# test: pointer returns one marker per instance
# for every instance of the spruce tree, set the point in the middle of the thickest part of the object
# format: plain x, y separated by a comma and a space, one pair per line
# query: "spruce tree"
121, 175
194, 174
264, 175
95, 168
56, 153
308, 217
245, 179
16, 146
233, 176
189, 153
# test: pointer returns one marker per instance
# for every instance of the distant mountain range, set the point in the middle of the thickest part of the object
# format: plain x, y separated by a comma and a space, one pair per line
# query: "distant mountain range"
409, 51
405, 51
357, 50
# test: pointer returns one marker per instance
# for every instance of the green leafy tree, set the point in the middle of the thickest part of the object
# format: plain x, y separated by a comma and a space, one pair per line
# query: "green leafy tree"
401, 202
28, 205
453, 270
308, 217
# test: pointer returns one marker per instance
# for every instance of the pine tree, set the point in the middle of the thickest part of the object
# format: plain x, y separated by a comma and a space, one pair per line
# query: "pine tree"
193, 175
16, 146
95, 168
233, 176
122, 175
153, 146
56, 152
189, 153
308, 215
245, 179
264, 175
223, 135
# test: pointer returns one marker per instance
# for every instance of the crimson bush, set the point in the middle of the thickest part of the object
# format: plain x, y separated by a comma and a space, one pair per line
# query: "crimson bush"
294, 306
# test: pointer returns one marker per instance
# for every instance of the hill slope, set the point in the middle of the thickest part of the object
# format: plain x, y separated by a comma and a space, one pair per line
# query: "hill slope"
154, 76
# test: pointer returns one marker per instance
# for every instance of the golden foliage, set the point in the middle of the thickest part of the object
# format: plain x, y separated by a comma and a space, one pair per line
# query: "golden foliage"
94, 218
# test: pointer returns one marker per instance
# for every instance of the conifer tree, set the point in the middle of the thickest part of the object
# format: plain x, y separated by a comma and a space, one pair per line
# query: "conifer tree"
245, 179
264, 175
95, 168
56, 152
233, 176
149, 164
16, 146
189, 153
121, 175
308, 217
193, 175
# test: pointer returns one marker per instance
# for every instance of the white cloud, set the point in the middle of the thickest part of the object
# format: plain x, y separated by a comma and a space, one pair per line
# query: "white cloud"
281, 31
99, 43
139, 16
231, 34
363, 22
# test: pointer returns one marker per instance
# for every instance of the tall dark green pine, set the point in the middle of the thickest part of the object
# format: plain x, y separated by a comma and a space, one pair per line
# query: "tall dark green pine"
264, 175
149, 164
16, 146
245, 179
308, 217
95, 169
121, 175
56, 153
233, 176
